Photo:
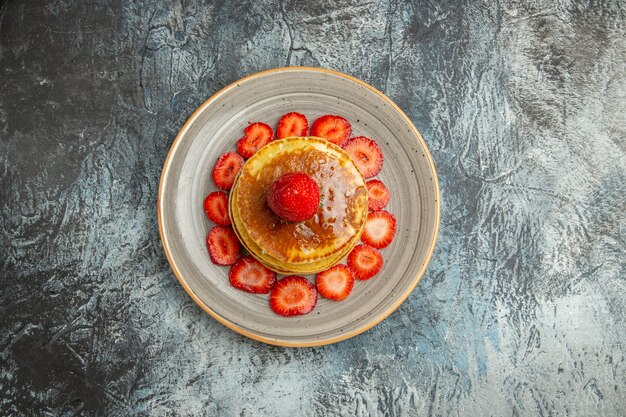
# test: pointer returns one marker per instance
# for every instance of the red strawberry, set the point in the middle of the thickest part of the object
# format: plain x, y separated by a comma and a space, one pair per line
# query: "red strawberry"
335, 129
378, 195
226, 169
292, 124
335, 283
380, 228
223, 245
256, 136
250, 275
293, 296
366, 155
216, 208
365, 261
294, 197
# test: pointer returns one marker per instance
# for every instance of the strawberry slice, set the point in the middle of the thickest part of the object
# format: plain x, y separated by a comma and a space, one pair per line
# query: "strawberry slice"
380, 228
335, 129
335, 283
366, 155
377, 195
256, 136
226, 169
223, 245
293, 296
365, 261
216, 208
292, 124
250, 275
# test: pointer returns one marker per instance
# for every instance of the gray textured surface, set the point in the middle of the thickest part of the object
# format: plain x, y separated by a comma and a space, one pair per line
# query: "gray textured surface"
522, 310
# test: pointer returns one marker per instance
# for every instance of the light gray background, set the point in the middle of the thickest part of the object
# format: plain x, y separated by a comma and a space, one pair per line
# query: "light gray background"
522, 310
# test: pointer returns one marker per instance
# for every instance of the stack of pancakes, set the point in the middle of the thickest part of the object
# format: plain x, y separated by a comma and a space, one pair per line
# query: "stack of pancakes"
314, 244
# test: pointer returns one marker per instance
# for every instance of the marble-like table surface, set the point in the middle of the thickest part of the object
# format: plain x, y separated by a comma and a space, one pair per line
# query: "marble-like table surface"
522, 311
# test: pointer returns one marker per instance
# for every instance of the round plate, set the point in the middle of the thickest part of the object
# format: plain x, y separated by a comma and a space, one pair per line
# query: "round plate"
214, 128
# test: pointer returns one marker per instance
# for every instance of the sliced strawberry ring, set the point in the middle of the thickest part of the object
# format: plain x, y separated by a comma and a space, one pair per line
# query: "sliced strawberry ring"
377, 194
335, 283
380, 229
250, 275
292, 124
335, 129
293, 296
256, 136
366, 154
223, 245
365, 261
226, 169
216, 208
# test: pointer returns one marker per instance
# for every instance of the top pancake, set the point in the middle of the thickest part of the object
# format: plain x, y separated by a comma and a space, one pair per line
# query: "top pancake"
343, 205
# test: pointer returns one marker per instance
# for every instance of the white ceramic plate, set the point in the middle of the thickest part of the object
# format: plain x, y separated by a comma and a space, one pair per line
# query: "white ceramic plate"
214, 128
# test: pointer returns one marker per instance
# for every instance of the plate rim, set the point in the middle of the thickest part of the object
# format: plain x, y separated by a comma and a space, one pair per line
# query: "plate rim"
235, 327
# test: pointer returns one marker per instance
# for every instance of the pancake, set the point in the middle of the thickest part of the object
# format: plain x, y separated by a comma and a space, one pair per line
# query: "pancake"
317, 243
275, 264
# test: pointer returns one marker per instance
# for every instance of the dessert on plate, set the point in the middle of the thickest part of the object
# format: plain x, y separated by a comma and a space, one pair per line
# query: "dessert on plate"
299, 204
324, 235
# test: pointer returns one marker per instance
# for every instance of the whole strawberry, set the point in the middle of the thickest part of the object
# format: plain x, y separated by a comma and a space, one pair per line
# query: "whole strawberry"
294, 197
